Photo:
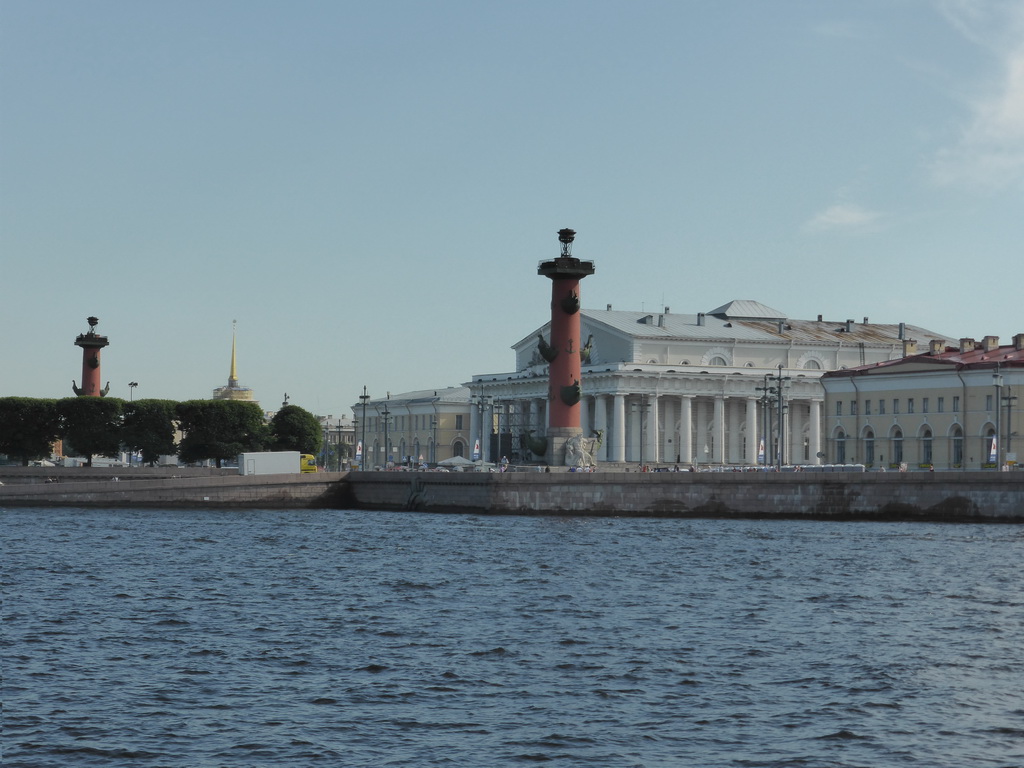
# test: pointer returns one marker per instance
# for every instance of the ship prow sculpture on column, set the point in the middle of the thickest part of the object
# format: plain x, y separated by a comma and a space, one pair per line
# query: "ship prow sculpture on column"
562, 353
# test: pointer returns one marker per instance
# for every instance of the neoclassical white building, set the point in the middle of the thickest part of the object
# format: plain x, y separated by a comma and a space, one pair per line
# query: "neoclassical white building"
690, 388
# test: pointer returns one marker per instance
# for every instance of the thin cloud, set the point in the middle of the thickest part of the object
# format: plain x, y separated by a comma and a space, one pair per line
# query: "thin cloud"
990, 150
843, 217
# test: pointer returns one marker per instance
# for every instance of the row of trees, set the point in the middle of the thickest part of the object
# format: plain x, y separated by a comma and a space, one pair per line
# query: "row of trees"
104, 426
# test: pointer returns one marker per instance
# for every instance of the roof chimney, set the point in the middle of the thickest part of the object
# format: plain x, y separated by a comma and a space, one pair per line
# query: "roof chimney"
989, 343
909, 347
666, 310
819, 318
903, 330
936, 347
1018, 342
609, 308
865, 321
849, 326
966, 345
700, 318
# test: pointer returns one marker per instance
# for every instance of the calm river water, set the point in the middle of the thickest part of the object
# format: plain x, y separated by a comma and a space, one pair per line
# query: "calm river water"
137, 638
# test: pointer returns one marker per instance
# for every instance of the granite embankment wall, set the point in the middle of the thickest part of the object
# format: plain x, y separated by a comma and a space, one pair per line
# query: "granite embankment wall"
80, 487
994, 497
946, 496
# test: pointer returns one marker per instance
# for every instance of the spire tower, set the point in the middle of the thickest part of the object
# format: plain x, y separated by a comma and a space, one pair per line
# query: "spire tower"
234, 390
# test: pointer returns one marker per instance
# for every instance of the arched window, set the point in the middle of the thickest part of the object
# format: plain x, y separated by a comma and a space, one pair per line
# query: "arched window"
869, 446
956, 452
926, 446
840, 447
717, 361
897, 445
812, 365
991, 447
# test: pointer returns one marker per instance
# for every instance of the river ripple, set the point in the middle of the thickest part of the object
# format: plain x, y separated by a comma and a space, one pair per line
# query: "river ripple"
298, 638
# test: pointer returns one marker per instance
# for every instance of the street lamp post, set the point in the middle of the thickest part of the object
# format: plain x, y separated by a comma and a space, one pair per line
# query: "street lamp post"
131, 398
497, 411
766, 418
1009, 399
781, 381
482, 401
997, 380
387, 449
362, 457
433, 440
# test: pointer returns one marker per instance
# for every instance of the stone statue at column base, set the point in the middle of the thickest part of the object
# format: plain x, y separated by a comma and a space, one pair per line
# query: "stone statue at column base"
580, 450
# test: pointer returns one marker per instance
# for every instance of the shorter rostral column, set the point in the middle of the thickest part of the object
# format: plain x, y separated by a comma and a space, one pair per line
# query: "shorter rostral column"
91, 344
563, 351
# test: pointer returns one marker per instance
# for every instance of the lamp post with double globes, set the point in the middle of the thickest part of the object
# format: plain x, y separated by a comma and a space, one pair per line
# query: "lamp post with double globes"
362, 440
997, 381
1009, 399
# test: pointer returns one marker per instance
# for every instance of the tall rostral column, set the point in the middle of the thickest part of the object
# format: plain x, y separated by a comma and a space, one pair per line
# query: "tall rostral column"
563, 351
91, 344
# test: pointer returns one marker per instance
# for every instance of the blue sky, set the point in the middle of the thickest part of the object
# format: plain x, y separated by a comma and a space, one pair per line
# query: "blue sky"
367, 188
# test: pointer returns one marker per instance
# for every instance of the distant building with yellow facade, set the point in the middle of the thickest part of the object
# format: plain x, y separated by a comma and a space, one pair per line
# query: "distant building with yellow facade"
952, 407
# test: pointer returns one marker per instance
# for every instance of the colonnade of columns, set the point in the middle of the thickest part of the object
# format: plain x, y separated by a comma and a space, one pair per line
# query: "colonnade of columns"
683, 429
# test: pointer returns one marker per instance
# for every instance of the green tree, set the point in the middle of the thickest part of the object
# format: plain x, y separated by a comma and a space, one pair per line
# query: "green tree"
28, 427
149, 428
220, 429
91, 426
296, 429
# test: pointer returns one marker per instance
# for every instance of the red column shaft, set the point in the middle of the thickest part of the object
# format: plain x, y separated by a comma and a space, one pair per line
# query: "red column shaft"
564, 370
90, 372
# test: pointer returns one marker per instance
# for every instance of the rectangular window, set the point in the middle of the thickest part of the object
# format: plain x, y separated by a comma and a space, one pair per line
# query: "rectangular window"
956, 403
853, 407
988, 402
839, 407
867, 407
881, 407
458, 421
924, 405
895, 405
910, 405
942, 405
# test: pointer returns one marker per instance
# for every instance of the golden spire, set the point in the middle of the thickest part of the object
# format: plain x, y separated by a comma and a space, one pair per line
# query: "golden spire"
233, 376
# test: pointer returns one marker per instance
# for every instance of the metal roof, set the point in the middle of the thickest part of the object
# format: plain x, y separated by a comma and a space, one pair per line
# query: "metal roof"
669, 325
746, 309
950, 358
445, 395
